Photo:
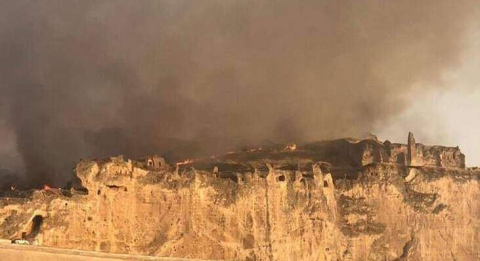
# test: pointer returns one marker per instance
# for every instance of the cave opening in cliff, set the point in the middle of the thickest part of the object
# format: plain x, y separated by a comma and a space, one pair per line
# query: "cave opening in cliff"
35, 227
114, 187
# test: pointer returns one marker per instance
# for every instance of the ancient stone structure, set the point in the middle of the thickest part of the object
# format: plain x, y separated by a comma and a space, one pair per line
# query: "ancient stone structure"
155, 162
333, 200
411, 151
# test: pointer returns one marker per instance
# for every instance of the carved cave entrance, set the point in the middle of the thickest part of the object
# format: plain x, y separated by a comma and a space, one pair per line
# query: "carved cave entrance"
34, 228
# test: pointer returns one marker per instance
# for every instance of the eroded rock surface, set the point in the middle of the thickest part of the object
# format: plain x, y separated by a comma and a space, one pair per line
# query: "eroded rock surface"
333, 200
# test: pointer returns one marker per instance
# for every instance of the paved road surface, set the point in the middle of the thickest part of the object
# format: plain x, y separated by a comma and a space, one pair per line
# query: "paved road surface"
12, 252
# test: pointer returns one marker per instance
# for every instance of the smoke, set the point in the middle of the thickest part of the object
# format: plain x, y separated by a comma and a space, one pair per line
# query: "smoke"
89, 79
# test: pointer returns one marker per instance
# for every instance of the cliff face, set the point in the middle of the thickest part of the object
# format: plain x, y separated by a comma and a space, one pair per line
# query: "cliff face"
257, 207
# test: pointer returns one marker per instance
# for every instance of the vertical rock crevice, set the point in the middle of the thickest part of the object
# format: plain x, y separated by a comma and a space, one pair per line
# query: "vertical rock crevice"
267, 218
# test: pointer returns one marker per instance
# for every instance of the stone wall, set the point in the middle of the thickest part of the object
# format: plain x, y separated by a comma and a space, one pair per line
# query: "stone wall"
371, 151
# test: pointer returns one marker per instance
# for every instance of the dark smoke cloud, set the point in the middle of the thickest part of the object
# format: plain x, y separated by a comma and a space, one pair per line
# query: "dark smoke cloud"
180, 78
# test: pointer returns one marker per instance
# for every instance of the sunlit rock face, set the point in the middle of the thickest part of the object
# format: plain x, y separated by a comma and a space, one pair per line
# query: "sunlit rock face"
332, 200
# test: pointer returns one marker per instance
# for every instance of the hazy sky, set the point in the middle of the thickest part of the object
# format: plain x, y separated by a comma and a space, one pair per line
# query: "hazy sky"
449, 116
182, 78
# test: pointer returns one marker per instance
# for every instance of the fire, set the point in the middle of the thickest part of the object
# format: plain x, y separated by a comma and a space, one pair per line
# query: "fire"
185, 162
254, 150
52, 190
291, 147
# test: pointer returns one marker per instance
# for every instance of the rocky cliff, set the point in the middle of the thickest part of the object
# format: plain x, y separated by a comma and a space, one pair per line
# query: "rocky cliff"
333, 200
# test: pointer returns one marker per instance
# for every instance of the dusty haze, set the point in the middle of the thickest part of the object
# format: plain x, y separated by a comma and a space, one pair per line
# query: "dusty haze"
87, 79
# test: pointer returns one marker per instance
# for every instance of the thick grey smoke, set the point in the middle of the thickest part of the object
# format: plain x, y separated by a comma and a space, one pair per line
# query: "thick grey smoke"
96, 78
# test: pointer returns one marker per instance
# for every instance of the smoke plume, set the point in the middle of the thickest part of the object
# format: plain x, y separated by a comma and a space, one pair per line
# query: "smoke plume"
90, 79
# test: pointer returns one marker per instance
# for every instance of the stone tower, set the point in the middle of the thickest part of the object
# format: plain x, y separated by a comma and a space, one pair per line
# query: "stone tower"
411, 151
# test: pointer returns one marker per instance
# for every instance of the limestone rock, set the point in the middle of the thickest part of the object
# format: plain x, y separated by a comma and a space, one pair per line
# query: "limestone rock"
336, 200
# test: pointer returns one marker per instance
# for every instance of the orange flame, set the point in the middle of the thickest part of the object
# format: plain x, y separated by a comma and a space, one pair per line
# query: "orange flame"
52, 190
185, 162
291, 147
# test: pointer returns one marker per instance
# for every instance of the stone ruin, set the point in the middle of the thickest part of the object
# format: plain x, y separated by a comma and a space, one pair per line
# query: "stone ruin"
155, 162
412, 154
